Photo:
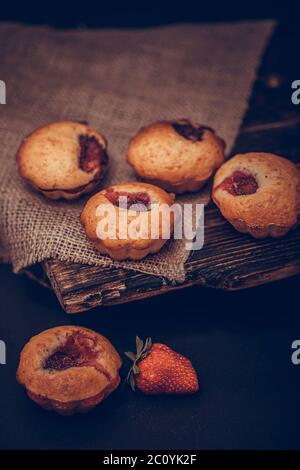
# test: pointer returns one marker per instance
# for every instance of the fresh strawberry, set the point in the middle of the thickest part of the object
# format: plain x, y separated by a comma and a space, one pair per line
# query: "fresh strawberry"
158, 369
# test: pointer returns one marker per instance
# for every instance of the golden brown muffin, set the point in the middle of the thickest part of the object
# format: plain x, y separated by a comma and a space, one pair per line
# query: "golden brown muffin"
63, 159
259, 193
140, 220
69, 369
178, 156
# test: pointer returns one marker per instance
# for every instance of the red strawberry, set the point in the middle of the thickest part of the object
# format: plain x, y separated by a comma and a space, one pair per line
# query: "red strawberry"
158, 369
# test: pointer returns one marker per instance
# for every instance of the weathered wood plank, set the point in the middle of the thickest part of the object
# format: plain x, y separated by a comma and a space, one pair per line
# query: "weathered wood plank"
229, 260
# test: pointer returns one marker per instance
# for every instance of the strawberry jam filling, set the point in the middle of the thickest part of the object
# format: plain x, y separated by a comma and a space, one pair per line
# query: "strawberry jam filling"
92, 154
190, 132
239, 184
125, 199
78, 351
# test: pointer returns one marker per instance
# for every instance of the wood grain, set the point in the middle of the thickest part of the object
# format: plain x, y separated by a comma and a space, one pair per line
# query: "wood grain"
229, 260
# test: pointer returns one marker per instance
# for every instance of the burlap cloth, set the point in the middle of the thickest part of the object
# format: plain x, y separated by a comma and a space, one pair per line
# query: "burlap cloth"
117, 80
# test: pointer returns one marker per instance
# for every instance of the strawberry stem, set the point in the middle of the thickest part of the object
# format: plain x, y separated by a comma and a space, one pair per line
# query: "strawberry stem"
142, 350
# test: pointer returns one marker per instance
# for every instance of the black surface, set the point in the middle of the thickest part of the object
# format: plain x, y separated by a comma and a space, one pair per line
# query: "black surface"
239, 342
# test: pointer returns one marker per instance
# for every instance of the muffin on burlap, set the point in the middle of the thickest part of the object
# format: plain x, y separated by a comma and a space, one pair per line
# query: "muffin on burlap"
69, 369
129, 220
179, 156
63, 159
259, 194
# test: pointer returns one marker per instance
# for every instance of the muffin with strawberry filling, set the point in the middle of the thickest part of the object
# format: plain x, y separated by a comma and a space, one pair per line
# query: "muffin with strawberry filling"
259, 194
63, 159
129, 220
177, 155
69, 369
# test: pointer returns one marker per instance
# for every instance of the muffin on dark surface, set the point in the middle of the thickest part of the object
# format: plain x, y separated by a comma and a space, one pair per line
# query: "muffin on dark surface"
69, 369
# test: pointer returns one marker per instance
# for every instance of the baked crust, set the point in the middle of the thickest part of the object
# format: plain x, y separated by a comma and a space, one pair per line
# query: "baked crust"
274, 207
69, 387
49, 159
161, 155
122, 246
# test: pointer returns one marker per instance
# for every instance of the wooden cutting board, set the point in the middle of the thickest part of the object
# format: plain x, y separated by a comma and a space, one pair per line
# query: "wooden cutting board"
229, 260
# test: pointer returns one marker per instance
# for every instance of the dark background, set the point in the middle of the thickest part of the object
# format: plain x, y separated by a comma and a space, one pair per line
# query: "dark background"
138, 13
239, 342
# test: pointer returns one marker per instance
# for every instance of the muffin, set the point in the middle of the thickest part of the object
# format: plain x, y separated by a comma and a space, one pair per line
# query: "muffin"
69, 369
259, 194
129, 220
63, 159
178, 156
